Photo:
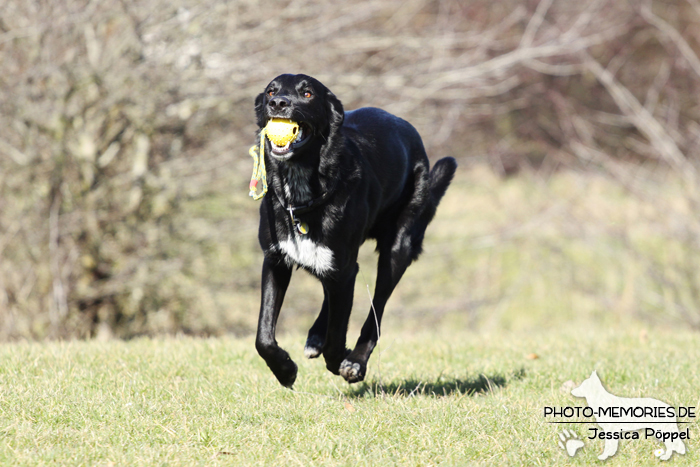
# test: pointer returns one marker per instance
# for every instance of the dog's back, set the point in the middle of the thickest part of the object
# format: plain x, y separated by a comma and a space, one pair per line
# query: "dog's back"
395, 154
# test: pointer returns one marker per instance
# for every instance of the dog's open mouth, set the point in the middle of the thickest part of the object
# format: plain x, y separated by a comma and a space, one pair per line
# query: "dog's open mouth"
303, 136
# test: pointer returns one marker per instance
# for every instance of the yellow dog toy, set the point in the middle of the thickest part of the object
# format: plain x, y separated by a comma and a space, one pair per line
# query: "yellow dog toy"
281, 132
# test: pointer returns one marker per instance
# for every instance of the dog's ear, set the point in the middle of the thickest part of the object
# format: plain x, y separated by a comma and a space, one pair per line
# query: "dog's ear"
336, 113
260, 109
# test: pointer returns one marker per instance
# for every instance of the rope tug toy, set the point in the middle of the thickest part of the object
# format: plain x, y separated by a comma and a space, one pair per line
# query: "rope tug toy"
279, 131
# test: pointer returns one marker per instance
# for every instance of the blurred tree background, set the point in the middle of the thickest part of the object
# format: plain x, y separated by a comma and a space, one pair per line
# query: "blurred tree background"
124, 128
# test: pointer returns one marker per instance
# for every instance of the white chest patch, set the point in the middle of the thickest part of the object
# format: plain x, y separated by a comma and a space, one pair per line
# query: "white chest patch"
302, 251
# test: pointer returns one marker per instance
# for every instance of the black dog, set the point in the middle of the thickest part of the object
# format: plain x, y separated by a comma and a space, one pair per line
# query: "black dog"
347, 177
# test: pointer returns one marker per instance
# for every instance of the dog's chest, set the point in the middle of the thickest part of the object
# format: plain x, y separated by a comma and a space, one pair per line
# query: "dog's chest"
296, 183
300, 249
305, 252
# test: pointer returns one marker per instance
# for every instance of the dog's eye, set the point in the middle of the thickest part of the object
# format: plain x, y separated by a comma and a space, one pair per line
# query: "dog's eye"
270, 93
308, 94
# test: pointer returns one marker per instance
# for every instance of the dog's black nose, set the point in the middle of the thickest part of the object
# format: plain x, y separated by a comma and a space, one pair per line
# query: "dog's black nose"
278, 103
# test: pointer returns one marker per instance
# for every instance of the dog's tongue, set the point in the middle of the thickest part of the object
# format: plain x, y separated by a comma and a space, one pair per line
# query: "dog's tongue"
281, 149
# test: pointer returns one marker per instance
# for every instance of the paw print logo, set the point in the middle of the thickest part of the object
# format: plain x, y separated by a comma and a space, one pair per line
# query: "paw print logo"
568, 441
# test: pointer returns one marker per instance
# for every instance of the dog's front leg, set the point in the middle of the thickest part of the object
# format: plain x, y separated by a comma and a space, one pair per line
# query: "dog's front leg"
609, 450
275, 279
339, 292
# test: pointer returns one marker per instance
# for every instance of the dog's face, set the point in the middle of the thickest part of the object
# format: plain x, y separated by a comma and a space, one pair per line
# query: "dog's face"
588, 387
306, 101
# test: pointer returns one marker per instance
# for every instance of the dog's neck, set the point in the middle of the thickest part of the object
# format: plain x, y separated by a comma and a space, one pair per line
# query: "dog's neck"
598, 397
296, 183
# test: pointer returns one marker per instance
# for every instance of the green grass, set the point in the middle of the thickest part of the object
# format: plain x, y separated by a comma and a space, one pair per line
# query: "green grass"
443, 397
571, 268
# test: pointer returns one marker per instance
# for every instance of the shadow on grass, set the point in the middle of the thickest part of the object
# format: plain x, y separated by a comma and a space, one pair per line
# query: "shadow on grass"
442, 387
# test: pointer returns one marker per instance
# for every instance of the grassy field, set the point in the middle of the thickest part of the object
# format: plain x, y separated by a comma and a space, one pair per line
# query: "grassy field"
433, 398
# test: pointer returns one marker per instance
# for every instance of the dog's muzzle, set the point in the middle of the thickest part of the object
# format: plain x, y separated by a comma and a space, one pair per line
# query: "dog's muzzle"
283, 151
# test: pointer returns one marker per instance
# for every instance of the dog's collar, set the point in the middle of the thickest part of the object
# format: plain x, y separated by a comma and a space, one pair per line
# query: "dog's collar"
313, 204
302, 227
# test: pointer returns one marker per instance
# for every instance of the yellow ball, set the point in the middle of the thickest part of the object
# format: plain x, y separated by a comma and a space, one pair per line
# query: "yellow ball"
281, 131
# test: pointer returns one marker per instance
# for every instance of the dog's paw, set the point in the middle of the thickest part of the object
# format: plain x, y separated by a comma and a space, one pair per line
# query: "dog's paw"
334, 358
353, 372
313, 347
568, 441
286, 372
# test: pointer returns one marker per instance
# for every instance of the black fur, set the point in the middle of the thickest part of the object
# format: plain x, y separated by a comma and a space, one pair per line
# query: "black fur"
365, 174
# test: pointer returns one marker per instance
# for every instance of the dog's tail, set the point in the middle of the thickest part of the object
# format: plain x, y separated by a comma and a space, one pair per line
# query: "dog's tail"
439, 179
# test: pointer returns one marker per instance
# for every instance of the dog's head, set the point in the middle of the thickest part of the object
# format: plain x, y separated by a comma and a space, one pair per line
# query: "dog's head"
305, 101
589, 387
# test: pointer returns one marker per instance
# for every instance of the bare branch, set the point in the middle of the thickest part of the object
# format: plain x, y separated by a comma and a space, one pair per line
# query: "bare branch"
535, 23
671, 32
644, 121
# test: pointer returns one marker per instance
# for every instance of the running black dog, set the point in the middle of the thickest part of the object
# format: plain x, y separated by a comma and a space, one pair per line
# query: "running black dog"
347, 177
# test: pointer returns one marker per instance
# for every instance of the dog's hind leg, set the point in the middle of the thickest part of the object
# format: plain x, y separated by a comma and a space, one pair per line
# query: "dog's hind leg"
398, 248
317, 333
275, 280
391, 266
339, 291
676, 445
